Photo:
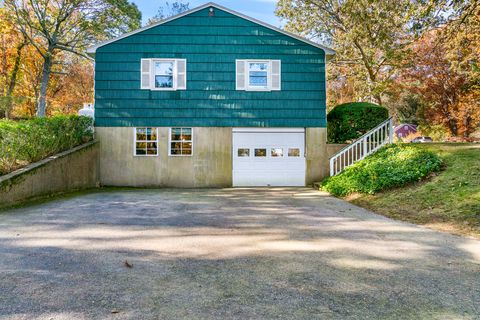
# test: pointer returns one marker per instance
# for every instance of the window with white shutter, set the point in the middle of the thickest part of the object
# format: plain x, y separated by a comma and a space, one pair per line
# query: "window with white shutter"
181, 72
240, 77
145, 74
276, 74
164, 74
258, 75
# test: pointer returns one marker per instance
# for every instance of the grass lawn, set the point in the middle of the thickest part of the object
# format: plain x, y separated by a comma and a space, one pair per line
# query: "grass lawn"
448, 201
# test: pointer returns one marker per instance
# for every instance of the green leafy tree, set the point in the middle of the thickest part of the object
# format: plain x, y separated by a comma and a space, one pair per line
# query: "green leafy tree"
53, 26
462, 33
370, 37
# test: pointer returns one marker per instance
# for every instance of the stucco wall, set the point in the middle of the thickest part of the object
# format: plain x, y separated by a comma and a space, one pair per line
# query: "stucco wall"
71, 170
209, 166
318, 154
315, 147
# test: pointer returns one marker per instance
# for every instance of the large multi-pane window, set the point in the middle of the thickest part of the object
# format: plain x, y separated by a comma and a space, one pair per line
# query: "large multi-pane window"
181, 142
146, 142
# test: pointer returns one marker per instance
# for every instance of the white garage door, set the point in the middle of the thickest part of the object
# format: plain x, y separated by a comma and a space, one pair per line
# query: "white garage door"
268, 157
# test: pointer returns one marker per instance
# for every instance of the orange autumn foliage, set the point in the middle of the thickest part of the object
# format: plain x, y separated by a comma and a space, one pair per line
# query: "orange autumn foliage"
450, 96
70, 85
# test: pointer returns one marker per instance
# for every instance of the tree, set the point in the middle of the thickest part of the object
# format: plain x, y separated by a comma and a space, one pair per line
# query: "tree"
443, 70
451, 98
53, 26
68, 92
370, 37
462, 33
169, 10
405, 106
12, 45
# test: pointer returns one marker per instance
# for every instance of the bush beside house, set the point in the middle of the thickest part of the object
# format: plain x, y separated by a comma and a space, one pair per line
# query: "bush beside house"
349, 121
392, 166
27, 141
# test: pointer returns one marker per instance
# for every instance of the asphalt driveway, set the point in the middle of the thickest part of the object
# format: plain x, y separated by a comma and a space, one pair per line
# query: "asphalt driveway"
228, 254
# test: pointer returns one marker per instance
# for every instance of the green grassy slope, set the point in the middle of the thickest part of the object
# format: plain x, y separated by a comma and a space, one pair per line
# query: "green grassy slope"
449, 200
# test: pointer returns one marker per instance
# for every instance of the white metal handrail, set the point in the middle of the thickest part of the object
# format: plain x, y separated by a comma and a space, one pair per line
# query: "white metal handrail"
364, 146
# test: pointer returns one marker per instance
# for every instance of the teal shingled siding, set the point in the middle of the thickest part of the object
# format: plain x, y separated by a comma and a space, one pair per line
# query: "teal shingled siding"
210, 45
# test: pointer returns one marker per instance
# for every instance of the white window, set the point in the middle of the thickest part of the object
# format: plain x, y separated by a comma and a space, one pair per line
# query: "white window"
294, 152
243, 152
180, 142
258, 75
276, 152
145, 142
260, 152
163, 74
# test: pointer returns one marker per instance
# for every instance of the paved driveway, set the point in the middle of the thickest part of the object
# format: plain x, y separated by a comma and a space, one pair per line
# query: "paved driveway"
233, 253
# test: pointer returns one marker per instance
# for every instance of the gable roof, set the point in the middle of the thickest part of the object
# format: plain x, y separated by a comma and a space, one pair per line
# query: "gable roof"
328, 51
409, 126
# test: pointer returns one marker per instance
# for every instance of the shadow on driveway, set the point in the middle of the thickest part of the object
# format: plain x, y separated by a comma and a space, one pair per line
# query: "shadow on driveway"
278, 253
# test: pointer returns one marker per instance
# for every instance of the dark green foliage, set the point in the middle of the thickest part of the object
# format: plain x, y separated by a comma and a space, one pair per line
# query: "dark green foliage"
392, 166
27, 141
115, 18
350, 121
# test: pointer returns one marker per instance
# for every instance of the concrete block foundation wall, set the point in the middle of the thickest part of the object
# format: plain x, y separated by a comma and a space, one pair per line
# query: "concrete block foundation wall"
71, 170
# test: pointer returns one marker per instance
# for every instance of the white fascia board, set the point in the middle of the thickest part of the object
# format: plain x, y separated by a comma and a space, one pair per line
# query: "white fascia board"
328, 51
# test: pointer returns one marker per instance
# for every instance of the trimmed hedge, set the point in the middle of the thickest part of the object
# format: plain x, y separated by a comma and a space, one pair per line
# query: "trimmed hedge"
27, 141
350, 121
392, 166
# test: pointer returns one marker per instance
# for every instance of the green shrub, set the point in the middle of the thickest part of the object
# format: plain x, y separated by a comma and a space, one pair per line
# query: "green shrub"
349, 121
26, 141
392, 166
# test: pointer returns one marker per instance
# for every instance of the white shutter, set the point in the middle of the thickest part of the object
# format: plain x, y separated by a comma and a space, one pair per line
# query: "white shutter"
240, 74
276, 75
181, 74
146, 67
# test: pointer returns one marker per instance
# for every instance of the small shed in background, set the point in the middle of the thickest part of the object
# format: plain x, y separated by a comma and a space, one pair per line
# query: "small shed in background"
405, 129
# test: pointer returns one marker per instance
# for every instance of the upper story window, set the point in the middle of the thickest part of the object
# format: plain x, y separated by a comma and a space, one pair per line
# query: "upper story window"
258, 75
163, 74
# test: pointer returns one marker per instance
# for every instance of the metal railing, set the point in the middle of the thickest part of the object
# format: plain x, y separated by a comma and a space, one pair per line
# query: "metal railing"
364, 146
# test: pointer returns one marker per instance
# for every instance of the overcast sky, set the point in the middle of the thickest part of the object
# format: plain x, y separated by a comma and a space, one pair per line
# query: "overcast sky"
260, 9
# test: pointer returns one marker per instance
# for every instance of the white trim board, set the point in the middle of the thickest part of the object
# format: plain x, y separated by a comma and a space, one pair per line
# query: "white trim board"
328, 51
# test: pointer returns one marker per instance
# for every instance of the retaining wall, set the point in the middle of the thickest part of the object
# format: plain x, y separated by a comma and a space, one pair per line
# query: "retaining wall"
71, 170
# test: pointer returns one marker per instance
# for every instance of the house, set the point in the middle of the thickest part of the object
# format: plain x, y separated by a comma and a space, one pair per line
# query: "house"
405, 129
210, 98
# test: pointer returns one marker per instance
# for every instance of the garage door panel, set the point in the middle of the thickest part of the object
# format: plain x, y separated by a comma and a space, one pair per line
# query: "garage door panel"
283, 163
